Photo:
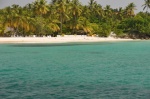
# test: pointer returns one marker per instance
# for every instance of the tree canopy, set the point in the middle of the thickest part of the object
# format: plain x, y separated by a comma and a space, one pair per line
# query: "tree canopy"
61, 17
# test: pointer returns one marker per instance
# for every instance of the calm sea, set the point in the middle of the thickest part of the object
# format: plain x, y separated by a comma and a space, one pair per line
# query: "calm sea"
110, 70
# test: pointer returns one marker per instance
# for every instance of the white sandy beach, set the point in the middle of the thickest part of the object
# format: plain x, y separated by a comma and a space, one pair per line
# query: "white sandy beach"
59, 39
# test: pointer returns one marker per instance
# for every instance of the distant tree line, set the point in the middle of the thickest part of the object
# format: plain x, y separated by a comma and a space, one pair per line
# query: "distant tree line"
71, 17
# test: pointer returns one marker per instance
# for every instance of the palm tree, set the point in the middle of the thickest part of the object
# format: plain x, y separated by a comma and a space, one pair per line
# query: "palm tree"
28, 18
29, 7
99, 12
54, 1
17, 18
61, 10
130, 10
108, 11
120, 13
40, 7
85, 25
10, 21
85, 12
52, 20
75, 12
52, 25
92, 4
68, 1
146, 5
1, 24
22, 20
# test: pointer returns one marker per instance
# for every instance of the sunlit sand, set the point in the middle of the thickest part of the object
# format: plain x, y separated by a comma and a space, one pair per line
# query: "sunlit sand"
59, 39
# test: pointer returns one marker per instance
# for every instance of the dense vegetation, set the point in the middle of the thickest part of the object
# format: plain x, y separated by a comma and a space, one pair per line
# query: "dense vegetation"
71, 17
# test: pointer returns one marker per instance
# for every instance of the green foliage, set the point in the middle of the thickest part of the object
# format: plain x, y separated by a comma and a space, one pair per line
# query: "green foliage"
106, 29
71, 17
137, 26
97, 29
119, 32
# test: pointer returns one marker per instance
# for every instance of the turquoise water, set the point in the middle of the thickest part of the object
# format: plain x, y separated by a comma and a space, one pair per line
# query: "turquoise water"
117, 70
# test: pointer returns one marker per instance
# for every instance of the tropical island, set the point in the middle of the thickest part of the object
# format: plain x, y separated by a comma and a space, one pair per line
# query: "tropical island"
70, 17
61, 64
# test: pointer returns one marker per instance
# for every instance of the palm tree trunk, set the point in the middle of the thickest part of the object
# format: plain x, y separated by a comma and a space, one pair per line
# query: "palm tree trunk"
74, 25
61, 23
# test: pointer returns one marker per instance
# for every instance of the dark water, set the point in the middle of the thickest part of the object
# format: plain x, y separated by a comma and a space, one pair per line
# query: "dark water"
75, 71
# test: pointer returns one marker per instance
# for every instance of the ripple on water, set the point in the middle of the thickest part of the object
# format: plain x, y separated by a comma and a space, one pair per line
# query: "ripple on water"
79, 71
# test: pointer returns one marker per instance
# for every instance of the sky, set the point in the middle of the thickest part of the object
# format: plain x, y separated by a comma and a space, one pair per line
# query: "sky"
112, 3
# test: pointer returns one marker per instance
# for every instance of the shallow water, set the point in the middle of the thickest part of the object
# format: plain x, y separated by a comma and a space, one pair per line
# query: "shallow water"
117, 70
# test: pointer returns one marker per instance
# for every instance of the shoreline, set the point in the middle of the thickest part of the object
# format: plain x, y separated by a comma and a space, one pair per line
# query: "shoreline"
14, 40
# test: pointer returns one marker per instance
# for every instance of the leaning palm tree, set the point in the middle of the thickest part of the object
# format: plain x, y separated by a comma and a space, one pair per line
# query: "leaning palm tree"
9, 20
52, 25
85, 25
146, 5
17, 19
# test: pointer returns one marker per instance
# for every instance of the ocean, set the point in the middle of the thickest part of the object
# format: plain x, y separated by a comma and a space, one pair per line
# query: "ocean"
102, 70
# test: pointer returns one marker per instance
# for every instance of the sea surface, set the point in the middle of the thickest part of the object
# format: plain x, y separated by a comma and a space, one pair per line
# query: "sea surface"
104, 70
